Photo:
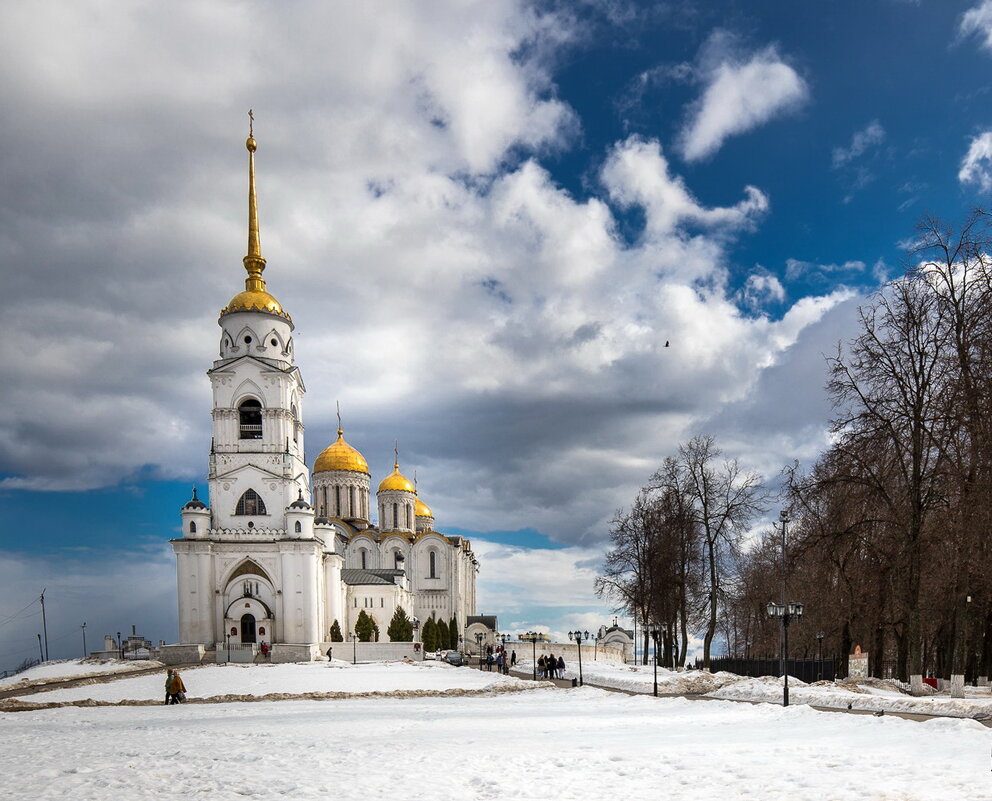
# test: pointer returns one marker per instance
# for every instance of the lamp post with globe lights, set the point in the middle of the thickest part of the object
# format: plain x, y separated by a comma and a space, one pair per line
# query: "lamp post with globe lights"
819, 654
579, 636
657, 632
532, 637
786, 612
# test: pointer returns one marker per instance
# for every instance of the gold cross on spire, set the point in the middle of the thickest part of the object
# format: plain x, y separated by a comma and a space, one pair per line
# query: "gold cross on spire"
251, 123
396, 454
340, 430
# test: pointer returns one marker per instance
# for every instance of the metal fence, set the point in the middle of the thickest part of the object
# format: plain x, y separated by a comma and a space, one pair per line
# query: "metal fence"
809, 670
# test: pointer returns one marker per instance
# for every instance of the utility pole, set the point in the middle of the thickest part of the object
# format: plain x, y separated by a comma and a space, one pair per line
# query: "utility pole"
83, 627
44, 624
41, 653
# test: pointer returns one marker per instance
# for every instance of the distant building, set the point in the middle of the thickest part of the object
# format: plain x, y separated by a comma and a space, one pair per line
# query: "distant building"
281, 553
617, 637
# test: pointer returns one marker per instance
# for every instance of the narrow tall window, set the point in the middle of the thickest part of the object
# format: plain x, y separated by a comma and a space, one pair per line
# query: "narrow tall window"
433, 564
250, 504
299, 527
408, 513
363, 558
351, 502
250, 415
192, 527
337, 501
296, 425
396, 516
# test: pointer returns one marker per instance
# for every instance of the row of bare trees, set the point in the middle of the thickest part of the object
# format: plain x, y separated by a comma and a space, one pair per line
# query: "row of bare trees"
889, 542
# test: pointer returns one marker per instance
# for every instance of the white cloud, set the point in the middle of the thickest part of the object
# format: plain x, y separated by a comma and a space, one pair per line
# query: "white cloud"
976, 166
795, 268
445, 288
871, 135
761, 288
742, 92
978, 21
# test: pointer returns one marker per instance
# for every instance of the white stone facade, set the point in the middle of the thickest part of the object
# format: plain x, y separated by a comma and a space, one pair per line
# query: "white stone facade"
269, 561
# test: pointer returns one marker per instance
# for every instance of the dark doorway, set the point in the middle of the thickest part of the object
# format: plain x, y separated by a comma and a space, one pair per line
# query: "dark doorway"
247, 628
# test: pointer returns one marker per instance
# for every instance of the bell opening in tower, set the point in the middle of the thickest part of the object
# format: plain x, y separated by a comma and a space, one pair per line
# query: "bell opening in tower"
250, 414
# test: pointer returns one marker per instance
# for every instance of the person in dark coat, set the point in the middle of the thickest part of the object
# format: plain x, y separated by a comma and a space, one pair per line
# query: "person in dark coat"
561, 667
541, 666
552, 666
513, 658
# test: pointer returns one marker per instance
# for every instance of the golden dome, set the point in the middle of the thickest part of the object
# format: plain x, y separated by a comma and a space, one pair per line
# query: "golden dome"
254, 300
421, 509
340, 456
396, 481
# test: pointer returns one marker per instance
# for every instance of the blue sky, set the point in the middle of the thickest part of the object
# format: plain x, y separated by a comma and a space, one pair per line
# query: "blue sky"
485, 219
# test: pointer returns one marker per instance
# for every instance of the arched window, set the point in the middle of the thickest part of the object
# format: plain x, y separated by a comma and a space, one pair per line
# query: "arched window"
408, 512
396, 517
432, 557
299, 527
351, 502
337, 500
192, 527
250, 504
363, 553
296, 425
250, 415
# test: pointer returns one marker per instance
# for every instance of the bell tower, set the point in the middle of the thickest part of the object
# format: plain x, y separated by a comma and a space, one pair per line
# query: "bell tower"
257, 466
249, 569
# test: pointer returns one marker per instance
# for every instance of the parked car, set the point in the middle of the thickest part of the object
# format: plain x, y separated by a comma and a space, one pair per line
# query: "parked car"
454, 658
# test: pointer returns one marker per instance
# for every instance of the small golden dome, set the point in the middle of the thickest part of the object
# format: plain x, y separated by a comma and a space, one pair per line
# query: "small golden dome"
396, 481
421, 509
254, 300
340, 456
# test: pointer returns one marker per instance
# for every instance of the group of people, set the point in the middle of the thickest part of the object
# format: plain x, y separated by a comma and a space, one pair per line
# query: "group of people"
550, 667
175, 690
498, 657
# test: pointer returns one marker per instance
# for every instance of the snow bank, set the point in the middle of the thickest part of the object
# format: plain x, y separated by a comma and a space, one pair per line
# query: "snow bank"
73, 669
873, 695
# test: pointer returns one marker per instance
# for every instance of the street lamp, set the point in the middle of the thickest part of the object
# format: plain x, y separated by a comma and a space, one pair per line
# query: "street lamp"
532, 636
120, 645
786, 612
354, 647
479, 637
504, 639
819, 654
657, 631
227, 643
579, 636
83, 627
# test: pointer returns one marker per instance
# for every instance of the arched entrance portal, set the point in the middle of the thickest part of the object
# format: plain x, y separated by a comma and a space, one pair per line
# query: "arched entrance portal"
247, 628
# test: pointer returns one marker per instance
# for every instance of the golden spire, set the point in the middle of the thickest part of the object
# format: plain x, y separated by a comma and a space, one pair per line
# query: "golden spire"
254, 298
254, 263
396, 455
340, 430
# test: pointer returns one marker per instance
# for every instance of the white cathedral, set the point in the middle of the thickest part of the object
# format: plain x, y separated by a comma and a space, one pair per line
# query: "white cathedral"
280, 555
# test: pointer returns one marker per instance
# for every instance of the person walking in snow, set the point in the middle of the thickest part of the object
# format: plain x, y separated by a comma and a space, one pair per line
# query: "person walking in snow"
175, 688
552, 666
513, 658
541, 666
561, 667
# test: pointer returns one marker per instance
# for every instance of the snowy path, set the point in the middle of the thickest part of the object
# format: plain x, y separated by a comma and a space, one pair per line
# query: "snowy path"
565, 744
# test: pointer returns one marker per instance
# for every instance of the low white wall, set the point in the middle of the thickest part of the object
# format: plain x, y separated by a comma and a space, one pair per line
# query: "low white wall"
568, 651
284, 652
180, 654
374, 651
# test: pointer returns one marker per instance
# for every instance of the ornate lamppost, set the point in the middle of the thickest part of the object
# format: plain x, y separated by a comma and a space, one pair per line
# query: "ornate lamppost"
532, 637
479, 637
786, 612
819, 654
354, 647
579, 636
657, 632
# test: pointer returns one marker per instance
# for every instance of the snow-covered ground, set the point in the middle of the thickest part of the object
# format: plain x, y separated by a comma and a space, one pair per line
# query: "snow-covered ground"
870, 695
72, 668
563, 744
299, 679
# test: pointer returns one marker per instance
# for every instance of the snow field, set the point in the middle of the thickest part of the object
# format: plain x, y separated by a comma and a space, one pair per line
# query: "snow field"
564, 744
308, 677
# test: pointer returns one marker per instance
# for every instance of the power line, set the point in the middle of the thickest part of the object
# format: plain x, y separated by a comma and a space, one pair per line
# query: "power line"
12, 617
